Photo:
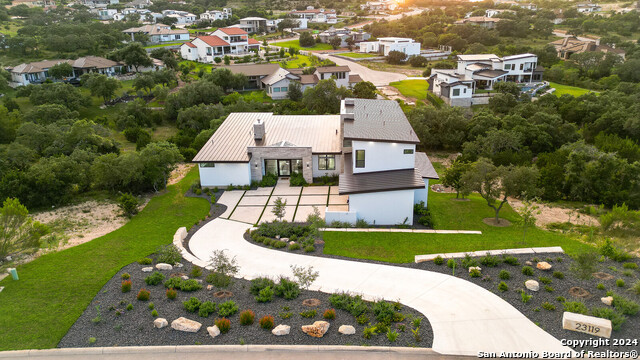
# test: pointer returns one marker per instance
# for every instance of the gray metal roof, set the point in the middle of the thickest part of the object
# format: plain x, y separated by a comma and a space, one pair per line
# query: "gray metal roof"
377, 120
405, 179
253, 69
424, 166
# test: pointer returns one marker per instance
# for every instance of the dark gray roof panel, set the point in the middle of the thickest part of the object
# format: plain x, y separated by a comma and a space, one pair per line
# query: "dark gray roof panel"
424, 166
405, 179
378, 120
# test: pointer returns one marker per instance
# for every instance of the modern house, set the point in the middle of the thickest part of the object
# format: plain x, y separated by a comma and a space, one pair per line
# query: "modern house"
570, 45
37, 72
385, 45
588, 8
181, 17
370, 145
159, 33
484, 21
213, 15
230, 41
312, 15
457, 87
357, 36
379, 6
35, 3
257, 24
99, 3
495, 12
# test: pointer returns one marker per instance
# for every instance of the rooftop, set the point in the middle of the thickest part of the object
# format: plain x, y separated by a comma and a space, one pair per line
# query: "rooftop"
478, 57
377, 120
332, 69
253, 69
379, 181
233, 31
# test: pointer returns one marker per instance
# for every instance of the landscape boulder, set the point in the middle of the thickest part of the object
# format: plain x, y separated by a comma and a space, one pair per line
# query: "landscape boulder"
281, 330
209, 287
543, 265
471, 268
147, 269
318, 329
532, 285
160, 323
178, 265
213, 331
163, 266
607, 300
346, 330
184, 324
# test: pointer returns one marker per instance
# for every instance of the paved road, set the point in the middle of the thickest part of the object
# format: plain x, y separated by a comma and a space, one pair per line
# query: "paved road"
378, 78
465, 318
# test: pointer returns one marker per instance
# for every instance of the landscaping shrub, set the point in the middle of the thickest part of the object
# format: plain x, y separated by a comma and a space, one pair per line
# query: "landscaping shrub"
190, 285
362, 319
549, 289
206, 308
576, 307
525, 297
247, 317
145, 261
558, 275
192, 305
451, 263
383, 311
126, 286
218, 280
329, 314
129, 307
600, 286
561, 299
269, 179
624, 305
474, 273
369, 332
227, 308
125, 276
309, 248
392, 335
173, 283
620, 283
279, 244
636, 287
297, 179
223, 325
548, 306
504, 275
260, 283
294, 246
544, 280
265, 295
503, 286
616, 318
309, 314
510, 260
154, 279
266, 322
154, 313
151, 306
490, 261
584, 264
630, 265
287, 289
169, 254
527, 270
468, 261
196, 271
143, 295
353, 304
172, 294
438, 260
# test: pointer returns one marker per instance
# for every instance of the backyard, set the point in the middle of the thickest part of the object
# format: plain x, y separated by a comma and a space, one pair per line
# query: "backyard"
416, 89
566, 89
71, 278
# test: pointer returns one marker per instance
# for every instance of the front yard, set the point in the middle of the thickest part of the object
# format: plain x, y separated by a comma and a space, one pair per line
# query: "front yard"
296, 45
354, 55
416, 89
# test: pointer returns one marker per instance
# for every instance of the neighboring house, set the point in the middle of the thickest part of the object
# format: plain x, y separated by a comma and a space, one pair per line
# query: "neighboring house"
159, 33
182, 17
496, 12
570, 45
255, 73
35, 3
588, 8
458, 86
358, 36
484, 21
37, 72
99, 3
258, 24
528, 6
213, 15
379, 6
139, 4
387, 44
370, 145
230, 41
313, 15
104, 13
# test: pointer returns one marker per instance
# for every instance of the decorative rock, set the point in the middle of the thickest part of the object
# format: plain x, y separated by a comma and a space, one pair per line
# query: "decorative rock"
198, 281
278, 237
318, 329
543, 265
180, 234
311, 302
529, 263
471, 268
213, 331
284, 239
9, 258
160, 323
607, 300
291, 242
346, 330
147, 269
184, 324
184, 277
586, 324
178, 265
209, 287
281, 330
532, 285
1, 288
163, 266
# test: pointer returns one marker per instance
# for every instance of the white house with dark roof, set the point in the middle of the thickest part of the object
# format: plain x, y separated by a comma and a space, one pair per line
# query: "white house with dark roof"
370, 145
313, 15
159, 33
230, 41
213, 15
385, 45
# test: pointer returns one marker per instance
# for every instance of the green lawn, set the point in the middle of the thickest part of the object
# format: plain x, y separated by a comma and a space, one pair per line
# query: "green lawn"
164, 44
416, 89
53, 290
358, 55
299, 61
451, 215
194, 31
296, 45
566, 89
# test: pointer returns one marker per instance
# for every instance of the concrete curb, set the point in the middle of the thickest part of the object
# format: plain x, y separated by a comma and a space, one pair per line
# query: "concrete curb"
416, 231
535, 250
186, 349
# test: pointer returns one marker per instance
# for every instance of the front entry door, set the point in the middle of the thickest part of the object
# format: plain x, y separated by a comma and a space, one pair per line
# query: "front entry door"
284, 167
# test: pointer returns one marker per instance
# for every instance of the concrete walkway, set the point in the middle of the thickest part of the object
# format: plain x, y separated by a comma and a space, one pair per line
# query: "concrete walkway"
465, 318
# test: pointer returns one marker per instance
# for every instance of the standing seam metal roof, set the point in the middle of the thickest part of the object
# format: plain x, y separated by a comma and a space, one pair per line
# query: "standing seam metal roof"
378, 120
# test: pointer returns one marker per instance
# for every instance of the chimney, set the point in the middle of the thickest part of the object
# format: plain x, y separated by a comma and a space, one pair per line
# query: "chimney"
258, 130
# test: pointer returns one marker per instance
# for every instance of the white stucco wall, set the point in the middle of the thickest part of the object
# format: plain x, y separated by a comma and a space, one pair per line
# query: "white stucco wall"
383, 208
318, 173
422, 194
281, 94
189, 53
224, 174
342, 216
382, 156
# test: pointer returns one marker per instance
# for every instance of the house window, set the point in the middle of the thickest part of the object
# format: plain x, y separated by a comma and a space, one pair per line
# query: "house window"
521, 66
340, 75
507, 66
359, 158
408, 151
207, 165
456, 92
284, 89
326, 162
276, 89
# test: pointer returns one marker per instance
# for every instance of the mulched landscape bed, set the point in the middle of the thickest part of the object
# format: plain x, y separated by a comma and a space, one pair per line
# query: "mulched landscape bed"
549, 320
135, 327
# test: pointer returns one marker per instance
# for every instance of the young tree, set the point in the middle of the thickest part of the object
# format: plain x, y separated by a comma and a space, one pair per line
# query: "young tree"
18, 231
224, 268
325, 97
227, 60
287, 24
527, 217
101, 85
306, 40
496, 184
453, 177
350, 42
144, 81
61, 70
295, 91
128, 204
335, 42
396, 57
304, 276
364, 90
279, 208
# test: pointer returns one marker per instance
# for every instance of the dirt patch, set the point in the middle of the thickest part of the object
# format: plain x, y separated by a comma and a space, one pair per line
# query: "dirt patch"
549, 214
499, 223
602, 276
439, 188
178, 173
579, 292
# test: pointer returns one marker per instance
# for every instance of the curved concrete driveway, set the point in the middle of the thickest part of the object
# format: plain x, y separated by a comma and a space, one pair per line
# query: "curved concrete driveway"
378, 78
465, 318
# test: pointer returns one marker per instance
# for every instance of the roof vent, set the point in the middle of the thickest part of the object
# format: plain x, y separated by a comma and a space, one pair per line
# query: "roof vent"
258, 130
349, 102
348, 116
